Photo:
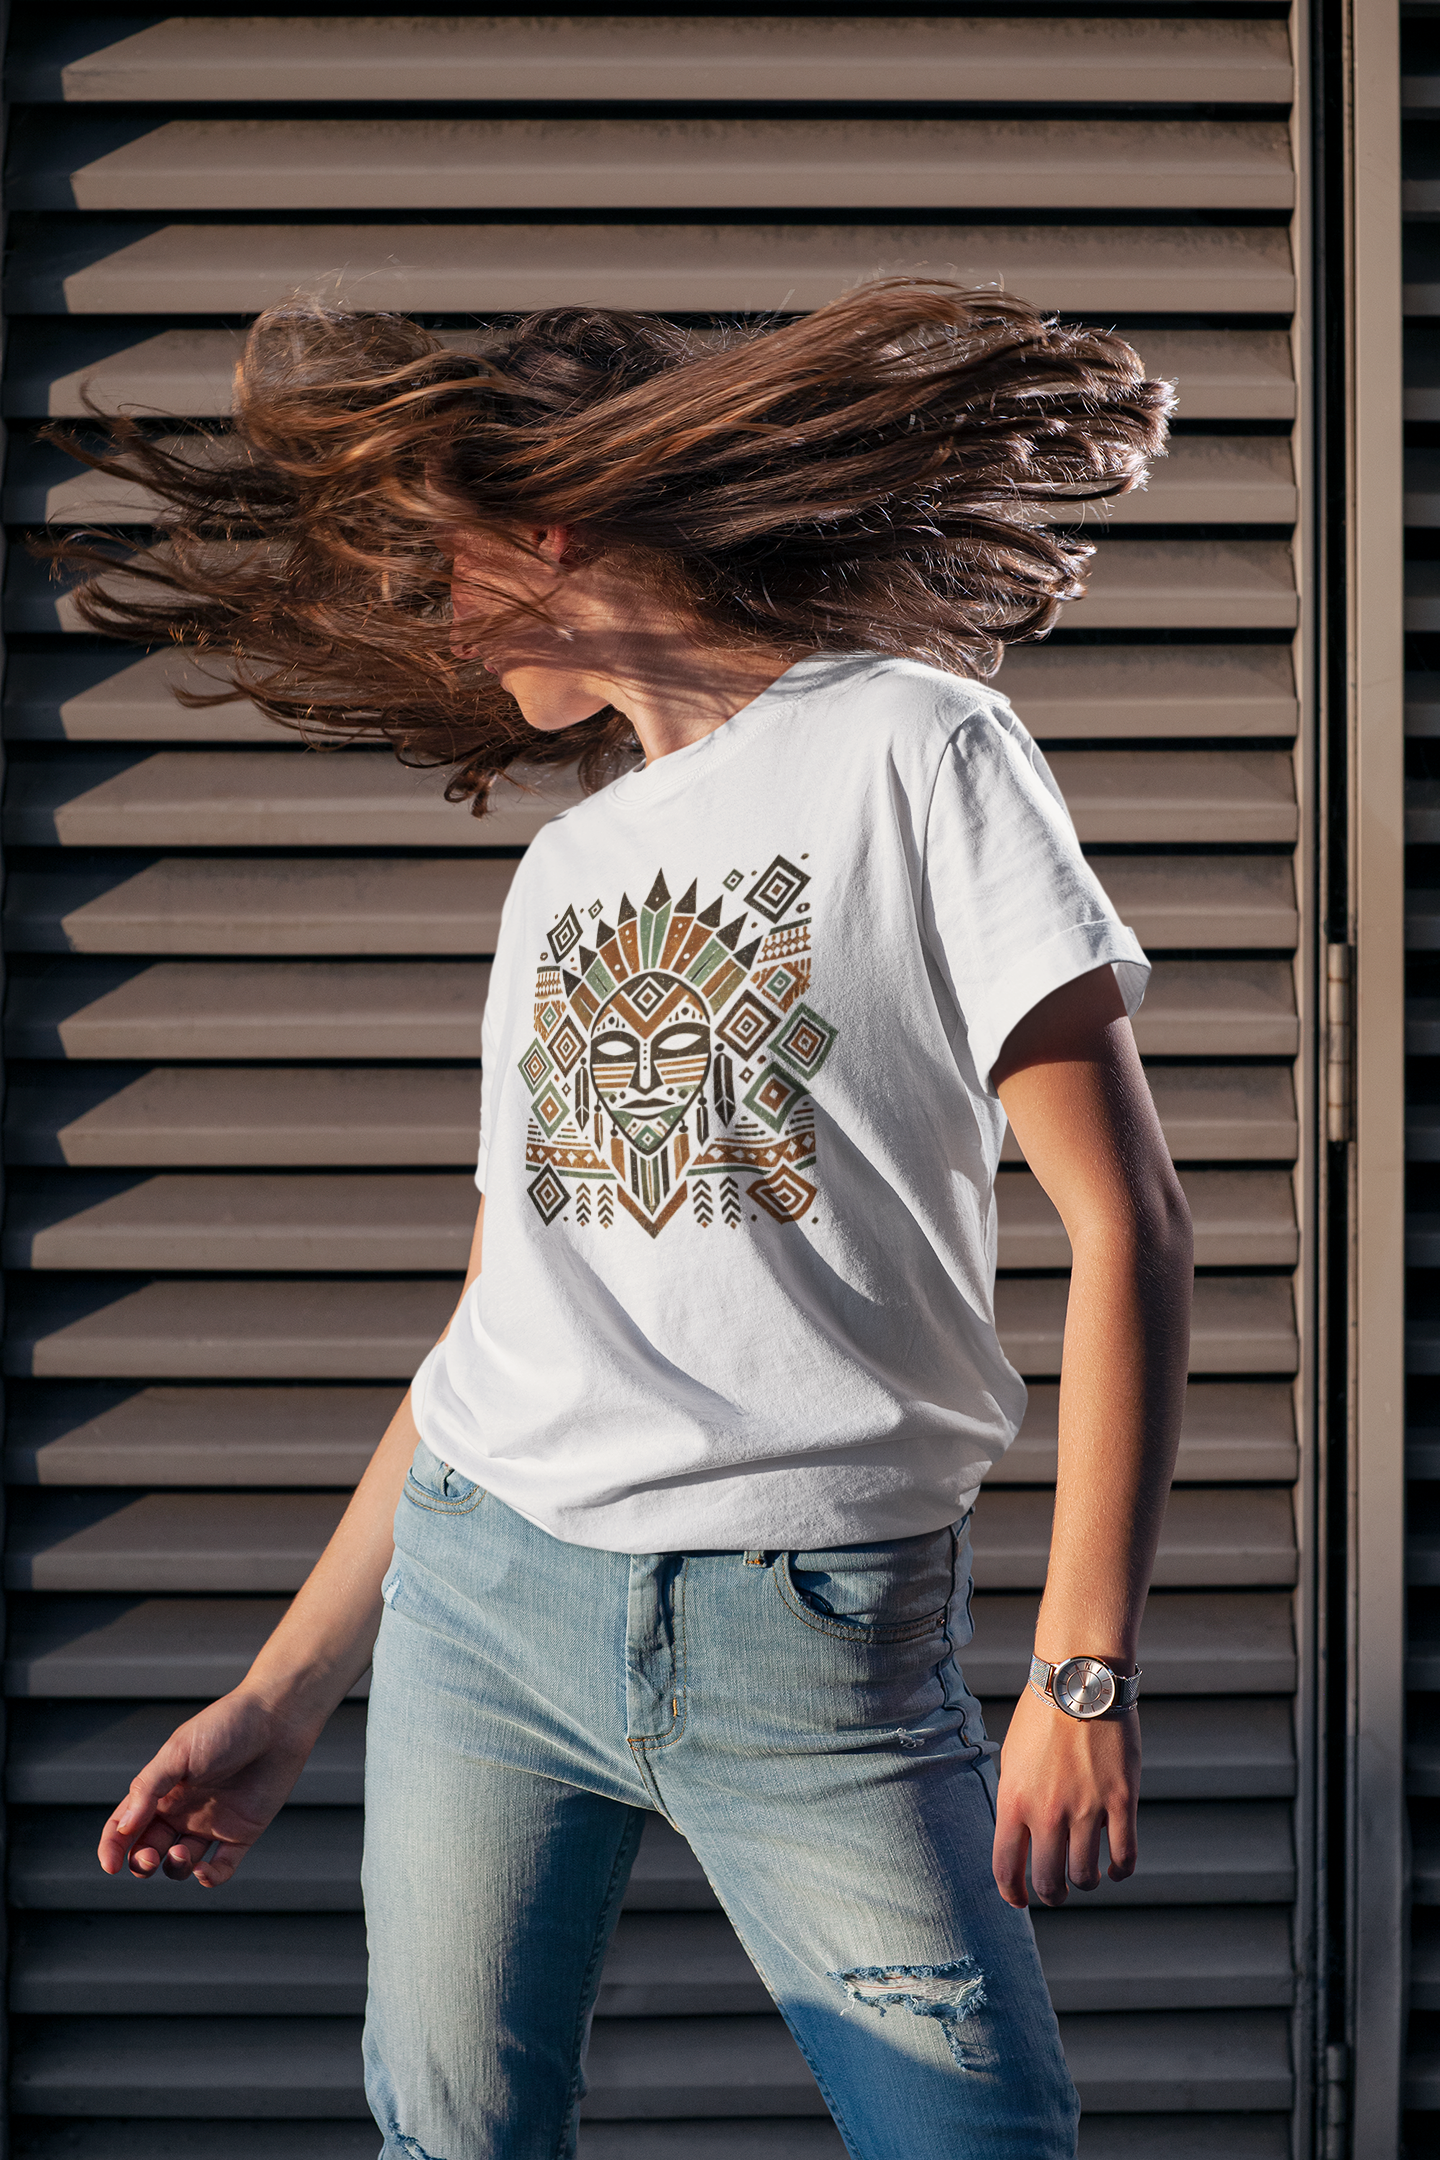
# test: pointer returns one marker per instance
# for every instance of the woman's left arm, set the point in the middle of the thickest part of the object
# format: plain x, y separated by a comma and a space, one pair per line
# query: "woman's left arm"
1070, 1080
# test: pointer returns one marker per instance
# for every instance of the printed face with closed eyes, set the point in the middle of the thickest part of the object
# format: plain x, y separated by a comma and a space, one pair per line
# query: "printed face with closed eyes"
649, 1054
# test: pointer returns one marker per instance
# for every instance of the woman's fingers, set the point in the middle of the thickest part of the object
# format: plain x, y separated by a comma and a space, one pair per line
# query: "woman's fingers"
1049, 1849
220, 1866
1084, 1861
131, 1820
1124, 1839
1012, 1844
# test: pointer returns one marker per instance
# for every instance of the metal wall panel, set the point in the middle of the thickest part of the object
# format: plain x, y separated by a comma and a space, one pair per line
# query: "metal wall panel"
242, 1026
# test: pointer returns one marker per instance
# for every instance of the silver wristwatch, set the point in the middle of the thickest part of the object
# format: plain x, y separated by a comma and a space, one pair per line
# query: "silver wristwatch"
1085, 1687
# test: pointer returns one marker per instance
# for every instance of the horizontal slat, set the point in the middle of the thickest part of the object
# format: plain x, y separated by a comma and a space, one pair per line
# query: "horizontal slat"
432, 1009
208, 1964
401, 1221
138, 2139
1422, 1648
1242, 1218
200, 904
93, 1434
1194, 1643
227, 1330
1218, 1008
1198, 1853
97, 1435
669, 2068
1060, 691
1224, 374
387, 904
1136, 583
64, 1754
1422, 371
1186, 1754
259, 798
1420, 293
1422, 590
130, 1648
203, 60
308, 1861
1165, 1961
368, 1222
680, 1964
109, 696
1425, 1962
241, 1328
317, 1116
1425, 1852
1216, 1113
1206, 480
673, 164
276, 798
1422, 486
1422, 1132
1238, 1432
1238, 1538
1230, 797
169, 1541
240, 1009
1239, 1324
1141, 584
1102, 2137
83, 266
1422, 918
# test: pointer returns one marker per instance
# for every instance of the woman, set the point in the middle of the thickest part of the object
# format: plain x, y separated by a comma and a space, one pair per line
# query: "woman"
674, 1516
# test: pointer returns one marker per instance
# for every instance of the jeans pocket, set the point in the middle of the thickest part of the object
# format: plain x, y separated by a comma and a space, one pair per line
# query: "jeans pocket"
896, 1590
439, 1487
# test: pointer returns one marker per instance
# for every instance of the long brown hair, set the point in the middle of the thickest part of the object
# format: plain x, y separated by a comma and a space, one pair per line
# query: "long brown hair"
881, 475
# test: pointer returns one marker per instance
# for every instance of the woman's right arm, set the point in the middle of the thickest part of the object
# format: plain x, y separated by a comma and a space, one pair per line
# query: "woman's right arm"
226, 1772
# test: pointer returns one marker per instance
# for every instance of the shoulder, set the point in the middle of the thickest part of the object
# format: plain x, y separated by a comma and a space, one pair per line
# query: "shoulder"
918, 708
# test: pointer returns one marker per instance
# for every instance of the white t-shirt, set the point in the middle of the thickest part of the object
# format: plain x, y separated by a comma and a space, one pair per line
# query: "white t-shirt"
739, 1137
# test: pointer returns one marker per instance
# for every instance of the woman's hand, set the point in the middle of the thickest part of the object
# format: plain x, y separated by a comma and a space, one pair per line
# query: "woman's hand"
225, 1774
1063, 1781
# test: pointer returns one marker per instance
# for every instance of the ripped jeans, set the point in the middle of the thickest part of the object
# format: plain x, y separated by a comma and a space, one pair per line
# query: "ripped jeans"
800, 1718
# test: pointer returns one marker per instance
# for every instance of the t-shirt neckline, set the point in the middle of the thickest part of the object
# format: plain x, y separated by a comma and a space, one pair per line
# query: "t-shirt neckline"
663, 780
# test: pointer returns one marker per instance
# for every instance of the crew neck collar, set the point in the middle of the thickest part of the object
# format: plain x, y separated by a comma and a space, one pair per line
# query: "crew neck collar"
667, 776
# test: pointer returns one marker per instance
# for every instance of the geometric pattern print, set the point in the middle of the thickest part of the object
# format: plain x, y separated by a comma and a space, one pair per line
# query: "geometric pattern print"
673, 1056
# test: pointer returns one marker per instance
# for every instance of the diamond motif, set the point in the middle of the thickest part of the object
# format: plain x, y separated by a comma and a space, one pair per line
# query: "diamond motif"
777, 889
551, 1108
784, 1194
806, 1042
547, 1191
747, 1024
566, 934
567, 1044
773, 1096
536, 1066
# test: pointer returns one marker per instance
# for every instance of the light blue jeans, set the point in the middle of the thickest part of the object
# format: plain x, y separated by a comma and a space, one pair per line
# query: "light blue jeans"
799, 1717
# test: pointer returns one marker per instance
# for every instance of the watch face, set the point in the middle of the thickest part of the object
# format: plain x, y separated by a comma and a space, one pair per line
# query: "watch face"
1084, 1687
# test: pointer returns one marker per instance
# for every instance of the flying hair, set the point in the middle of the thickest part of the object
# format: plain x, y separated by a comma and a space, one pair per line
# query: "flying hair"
882, 475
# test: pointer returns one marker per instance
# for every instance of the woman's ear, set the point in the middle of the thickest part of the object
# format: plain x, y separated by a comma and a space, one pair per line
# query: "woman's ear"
554, 542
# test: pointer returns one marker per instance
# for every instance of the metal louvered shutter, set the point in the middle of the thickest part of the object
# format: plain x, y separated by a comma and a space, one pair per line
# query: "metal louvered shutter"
245, 984
1420, 59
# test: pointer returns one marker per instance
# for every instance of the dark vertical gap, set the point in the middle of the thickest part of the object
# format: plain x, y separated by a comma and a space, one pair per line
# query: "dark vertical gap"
1330, 360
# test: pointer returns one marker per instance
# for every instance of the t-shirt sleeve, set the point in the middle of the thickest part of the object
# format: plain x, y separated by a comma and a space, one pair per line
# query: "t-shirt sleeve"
489, 1034
1012, 908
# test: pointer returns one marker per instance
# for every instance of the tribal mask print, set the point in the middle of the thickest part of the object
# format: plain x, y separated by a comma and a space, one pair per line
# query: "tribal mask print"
670, 1064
